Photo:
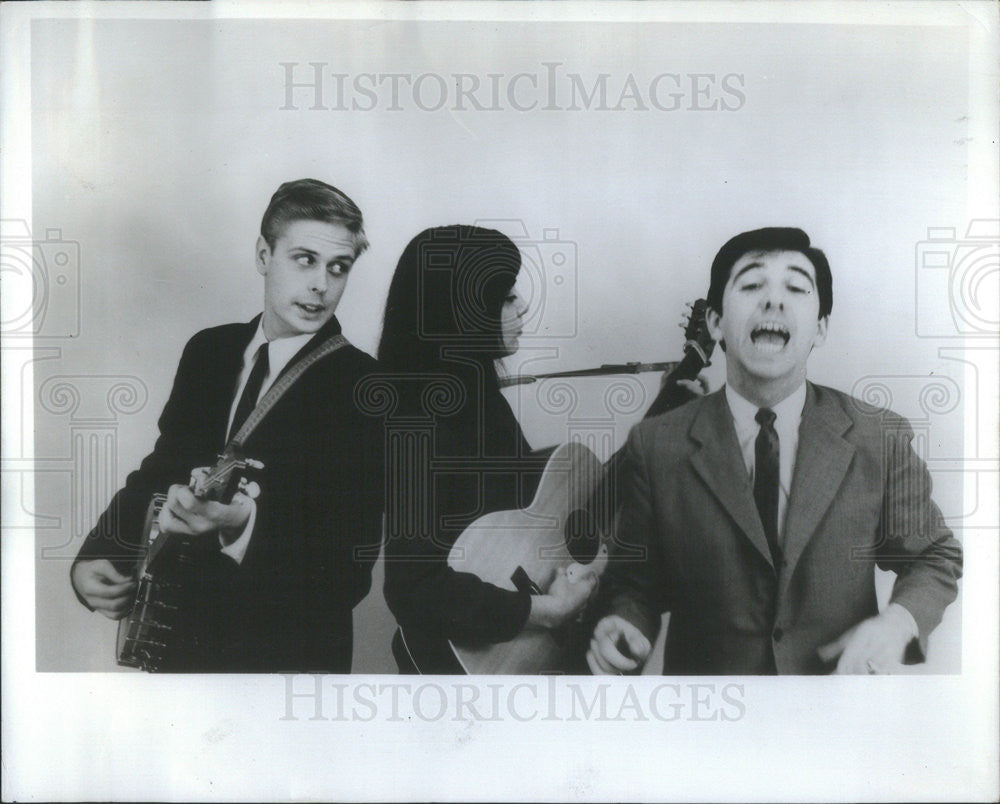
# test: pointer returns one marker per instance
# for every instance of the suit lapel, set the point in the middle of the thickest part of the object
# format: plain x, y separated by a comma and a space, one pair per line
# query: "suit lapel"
719, 462
821, 462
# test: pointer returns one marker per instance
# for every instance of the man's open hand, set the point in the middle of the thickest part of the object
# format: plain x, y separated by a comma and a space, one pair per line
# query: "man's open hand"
876, 645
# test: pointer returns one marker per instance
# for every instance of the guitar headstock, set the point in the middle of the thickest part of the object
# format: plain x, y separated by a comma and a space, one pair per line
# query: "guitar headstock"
696, 334
232, 472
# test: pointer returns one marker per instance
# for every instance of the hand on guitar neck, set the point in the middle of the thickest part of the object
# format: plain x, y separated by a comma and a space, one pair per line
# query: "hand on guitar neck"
565, 599
185, 514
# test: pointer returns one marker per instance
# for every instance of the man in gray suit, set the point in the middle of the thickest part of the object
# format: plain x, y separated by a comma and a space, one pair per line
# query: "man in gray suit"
760, 511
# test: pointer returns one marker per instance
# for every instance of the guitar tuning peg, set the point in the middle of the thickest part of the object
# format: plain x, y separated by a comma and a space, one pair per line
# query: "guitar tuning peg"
254, 464
251, 489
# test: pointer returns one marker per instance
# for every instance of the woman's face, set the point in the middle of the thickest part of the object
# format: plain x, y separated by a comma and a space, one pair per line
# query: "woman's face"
511, 321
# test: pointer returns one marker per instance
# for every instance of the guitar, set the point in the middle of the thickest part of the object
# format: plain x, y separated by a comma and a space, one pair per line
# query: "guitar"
170, 564
566, 525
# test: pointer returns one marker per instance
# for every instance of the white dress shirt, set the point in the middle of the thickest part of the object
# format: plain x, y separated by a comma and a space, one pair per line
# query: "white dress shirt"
279, 352
788, 415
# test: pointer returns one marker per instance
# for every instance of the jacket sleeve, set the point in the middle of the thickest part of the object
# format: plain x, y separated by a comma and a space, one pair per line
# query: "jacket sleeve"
913, 540
367, 540
117, 534
633, 586
420, 588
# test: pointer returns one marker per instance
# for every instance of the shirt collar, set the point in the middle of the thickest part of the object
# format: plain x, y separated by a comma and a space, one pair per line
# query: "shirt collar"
279, 351
256, 342
788, 412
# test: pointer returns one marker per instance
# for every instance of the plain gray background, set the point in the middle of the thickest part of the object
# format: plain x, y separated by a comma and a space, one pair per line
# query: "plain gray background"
149, 149
156, 146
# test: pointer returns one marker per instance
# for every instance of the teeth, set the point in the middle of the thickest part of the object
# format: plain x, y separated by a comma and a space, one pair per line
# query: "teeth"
770, 328
769, 345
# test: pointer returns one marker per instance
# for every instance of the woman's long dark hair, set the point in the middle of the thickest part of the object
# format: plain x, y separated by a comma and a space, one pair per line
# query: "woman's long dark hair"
445, 301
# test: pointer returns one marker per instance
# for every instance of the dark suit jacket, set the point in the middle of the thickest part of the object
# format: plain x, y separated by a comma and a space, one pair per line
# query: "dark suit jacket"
860, 496
288, 605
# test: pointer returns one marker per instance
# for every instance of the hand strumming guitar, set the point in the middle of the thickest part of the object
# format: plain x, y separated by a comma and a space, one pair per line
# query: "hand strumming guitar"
564, 600
103, 587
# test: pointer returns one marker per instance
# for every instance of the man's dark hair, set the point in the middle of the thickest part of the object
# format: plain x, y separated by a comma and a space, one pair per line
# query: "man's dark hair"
312, 200
764, 241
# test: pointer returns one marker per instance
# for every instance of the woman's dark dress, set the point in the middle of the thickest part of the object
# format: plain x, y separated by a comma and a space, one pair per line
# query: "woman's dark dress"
480, 462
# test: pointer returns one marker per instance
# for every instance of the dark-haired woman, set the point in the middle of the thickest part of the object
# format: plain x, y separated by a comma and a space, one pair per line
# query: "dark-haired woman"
451, 313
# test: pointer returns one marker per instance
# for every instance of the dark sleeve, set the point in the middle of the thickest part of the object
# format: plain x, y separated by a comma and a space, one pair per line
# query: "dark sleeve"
913, 540
635, 580
420, 588
367, 540
117, 534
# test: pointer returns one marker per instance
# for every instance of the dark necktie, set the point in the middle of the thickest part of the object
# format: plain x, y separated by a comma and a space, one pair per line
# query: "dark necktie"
766, 479
252, 390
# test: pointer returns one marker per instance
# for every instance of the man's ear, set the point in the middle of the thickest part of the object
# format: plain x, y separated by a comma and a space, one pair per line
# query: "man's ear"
262, 255
822, 327
713, 320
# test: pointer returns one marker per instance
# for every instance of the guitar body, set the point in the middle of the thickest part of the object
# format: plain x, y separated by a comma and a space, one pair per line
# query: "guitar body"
177, 577
145, 635
165, 630
522, 549
561, 528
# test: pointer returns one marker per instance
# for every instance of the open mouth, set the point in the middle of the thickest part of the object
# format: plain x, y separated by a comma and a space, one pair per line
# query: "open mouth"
310, 309
770, 336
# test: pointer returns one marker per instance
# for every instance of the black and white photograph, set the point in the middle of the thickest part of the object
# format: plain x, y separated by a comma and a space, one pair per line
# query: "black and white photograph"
500, 401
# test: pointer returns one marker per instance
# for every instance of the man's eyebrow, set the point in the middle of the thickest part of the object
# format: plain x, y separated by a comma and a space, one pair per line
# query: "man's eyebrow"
748, 267
804, 273
347, 255
751, 265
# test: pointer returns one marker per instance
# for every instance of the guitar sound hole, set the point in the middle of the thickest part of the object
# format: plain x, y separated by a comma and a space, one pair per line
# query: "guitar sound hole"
583, 537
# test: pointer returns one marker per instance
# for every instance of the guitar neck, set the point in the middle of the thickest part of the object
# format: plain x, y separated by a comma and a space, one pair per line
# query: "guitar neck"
671, 394
222, 480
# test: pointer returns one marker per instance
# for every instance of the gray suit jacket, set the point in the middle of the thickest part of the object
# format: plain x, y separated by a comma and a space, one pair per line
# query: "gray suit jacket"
690, 540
